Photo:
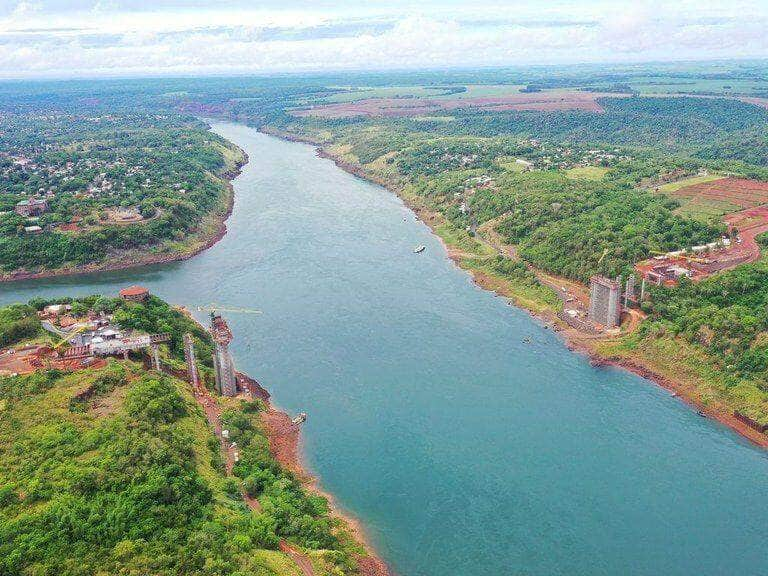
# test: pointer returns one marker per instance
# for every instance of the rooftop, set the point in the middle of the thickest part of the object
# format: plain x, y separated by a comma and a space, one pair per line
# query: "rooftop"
134, 291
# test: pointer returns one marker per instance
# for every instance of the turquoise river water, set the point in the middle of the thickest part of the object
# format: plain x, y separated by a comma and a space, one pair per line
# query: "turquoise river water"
463, 450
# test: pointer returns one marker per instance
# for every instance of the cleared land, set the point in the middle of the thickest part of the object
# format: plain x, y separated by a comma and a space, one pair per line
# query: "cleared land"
511, 164
708, 198
762, 102
362, 93
741, 192
685, 182
396, 107
684, 84
486, 90
587, 173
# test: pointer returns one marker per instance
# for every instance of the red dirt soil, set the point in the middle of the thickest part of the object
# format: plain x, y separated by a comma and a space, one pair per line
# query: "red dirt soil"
28, 359
396, 107
750, 223
739, 191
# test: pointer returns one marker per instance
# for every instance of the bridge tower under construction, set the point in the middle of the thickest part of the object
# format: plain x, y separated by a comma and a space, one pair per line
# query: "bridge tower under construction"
189, 356
605, 301
223, 365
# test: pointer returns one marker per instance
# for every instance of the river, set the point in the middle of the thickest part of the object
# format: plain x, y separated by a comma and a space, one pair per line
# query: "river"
462, 449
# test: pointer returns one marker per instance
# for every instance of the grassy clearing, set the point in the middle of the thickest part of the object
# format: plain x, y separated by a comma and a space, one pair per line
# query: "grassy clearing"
685, 182
587, 173
269, 562
384, 166
514, 281
461, 240
232, 156
497, 273
705, 210
649, 85
434, 118
487, 91
343, 152
510, 164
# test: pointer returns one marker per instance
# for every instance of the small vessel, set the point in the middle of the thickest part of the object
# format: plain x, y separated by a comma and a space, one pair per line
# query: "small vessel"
300, 419
419, 249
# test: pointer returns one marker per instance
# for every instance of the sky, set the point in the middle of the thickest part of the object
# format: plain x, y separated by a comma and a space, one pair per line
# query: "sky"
82, 38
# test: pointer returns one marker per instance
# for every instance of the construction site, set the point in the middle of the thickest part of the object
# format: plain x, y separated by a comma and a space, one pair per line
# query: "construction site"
699, 262
82, 343
85, 342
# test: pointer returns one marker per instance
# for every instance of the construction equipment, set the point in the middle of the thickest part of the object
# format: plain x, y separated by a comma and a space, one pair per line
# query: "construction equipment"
213, 307
686, 257
603, 255
69, 336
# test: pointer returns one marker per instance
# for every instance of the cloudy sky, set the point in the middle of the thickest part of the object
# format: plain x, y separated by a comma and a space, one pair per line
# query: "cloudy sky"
41, 38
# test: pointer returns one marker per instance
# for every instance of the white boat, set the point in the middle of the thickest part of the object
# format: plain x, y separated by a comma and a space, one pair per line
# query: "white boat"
419, 249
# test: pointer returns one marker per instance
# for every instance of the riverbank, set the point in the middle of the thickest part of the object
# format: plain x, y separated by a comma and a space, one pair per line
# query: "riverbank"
284, 443
212, 229
688, 388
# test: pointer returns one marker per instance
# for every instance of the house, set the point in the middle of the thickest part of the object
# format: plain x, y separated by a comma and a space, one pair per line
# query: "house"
134, 294
32, 207
56, 309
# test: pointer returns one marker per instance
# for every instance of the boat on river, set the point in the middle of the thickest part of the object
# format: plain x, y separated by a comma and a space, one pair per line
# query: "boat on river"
419, 249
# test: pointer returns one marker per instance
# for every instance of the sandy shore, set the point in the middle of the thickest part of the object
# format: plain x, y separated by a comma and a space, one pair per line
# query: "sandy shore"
574, 340
138, 258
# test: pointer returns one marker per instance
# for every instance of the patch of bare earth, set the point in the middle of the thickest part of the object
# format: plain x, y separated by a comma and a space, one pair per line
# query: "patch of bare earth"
738, 191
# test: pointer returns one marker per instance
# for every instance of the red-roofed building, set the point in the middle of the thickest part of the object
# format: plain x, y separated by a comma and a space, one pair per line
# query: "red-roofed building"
134, 294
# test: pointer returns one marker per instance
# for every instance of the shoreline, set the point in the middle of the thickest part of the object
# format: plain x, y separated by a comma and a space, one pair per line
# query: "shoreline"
574, 341
133, 258
285, 444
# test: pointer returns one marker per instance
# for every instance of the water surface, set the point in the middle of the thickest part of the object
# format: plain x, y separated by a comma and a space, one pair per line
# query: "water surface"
463, 450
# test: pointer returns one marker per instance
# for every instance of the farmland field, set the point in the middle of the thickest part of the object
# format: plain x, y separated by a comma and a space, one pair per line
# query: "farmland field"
486, 91
675, 186
739, 191
396, 107
363, 93
707, 198
705, 210
648, 85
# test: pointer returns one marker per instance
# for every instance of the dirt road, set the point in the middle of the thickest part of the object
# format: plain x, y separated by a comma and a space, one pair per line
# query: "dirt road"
577, 295
304, 564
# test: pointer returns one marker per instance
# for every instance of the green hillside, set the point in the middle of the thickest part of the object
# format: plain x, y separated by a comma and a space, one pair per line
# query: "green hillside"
116, 471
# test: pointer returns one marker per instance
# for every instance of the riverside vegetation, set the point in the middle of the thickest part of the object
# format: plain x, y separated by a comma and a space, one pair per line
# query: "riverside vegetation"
132, 480
137, 486
572, 223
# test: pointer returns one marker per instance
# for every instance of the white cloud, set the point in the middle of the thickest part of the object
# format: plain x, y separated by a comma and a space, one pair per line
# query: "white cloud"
105, 38
24, 9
